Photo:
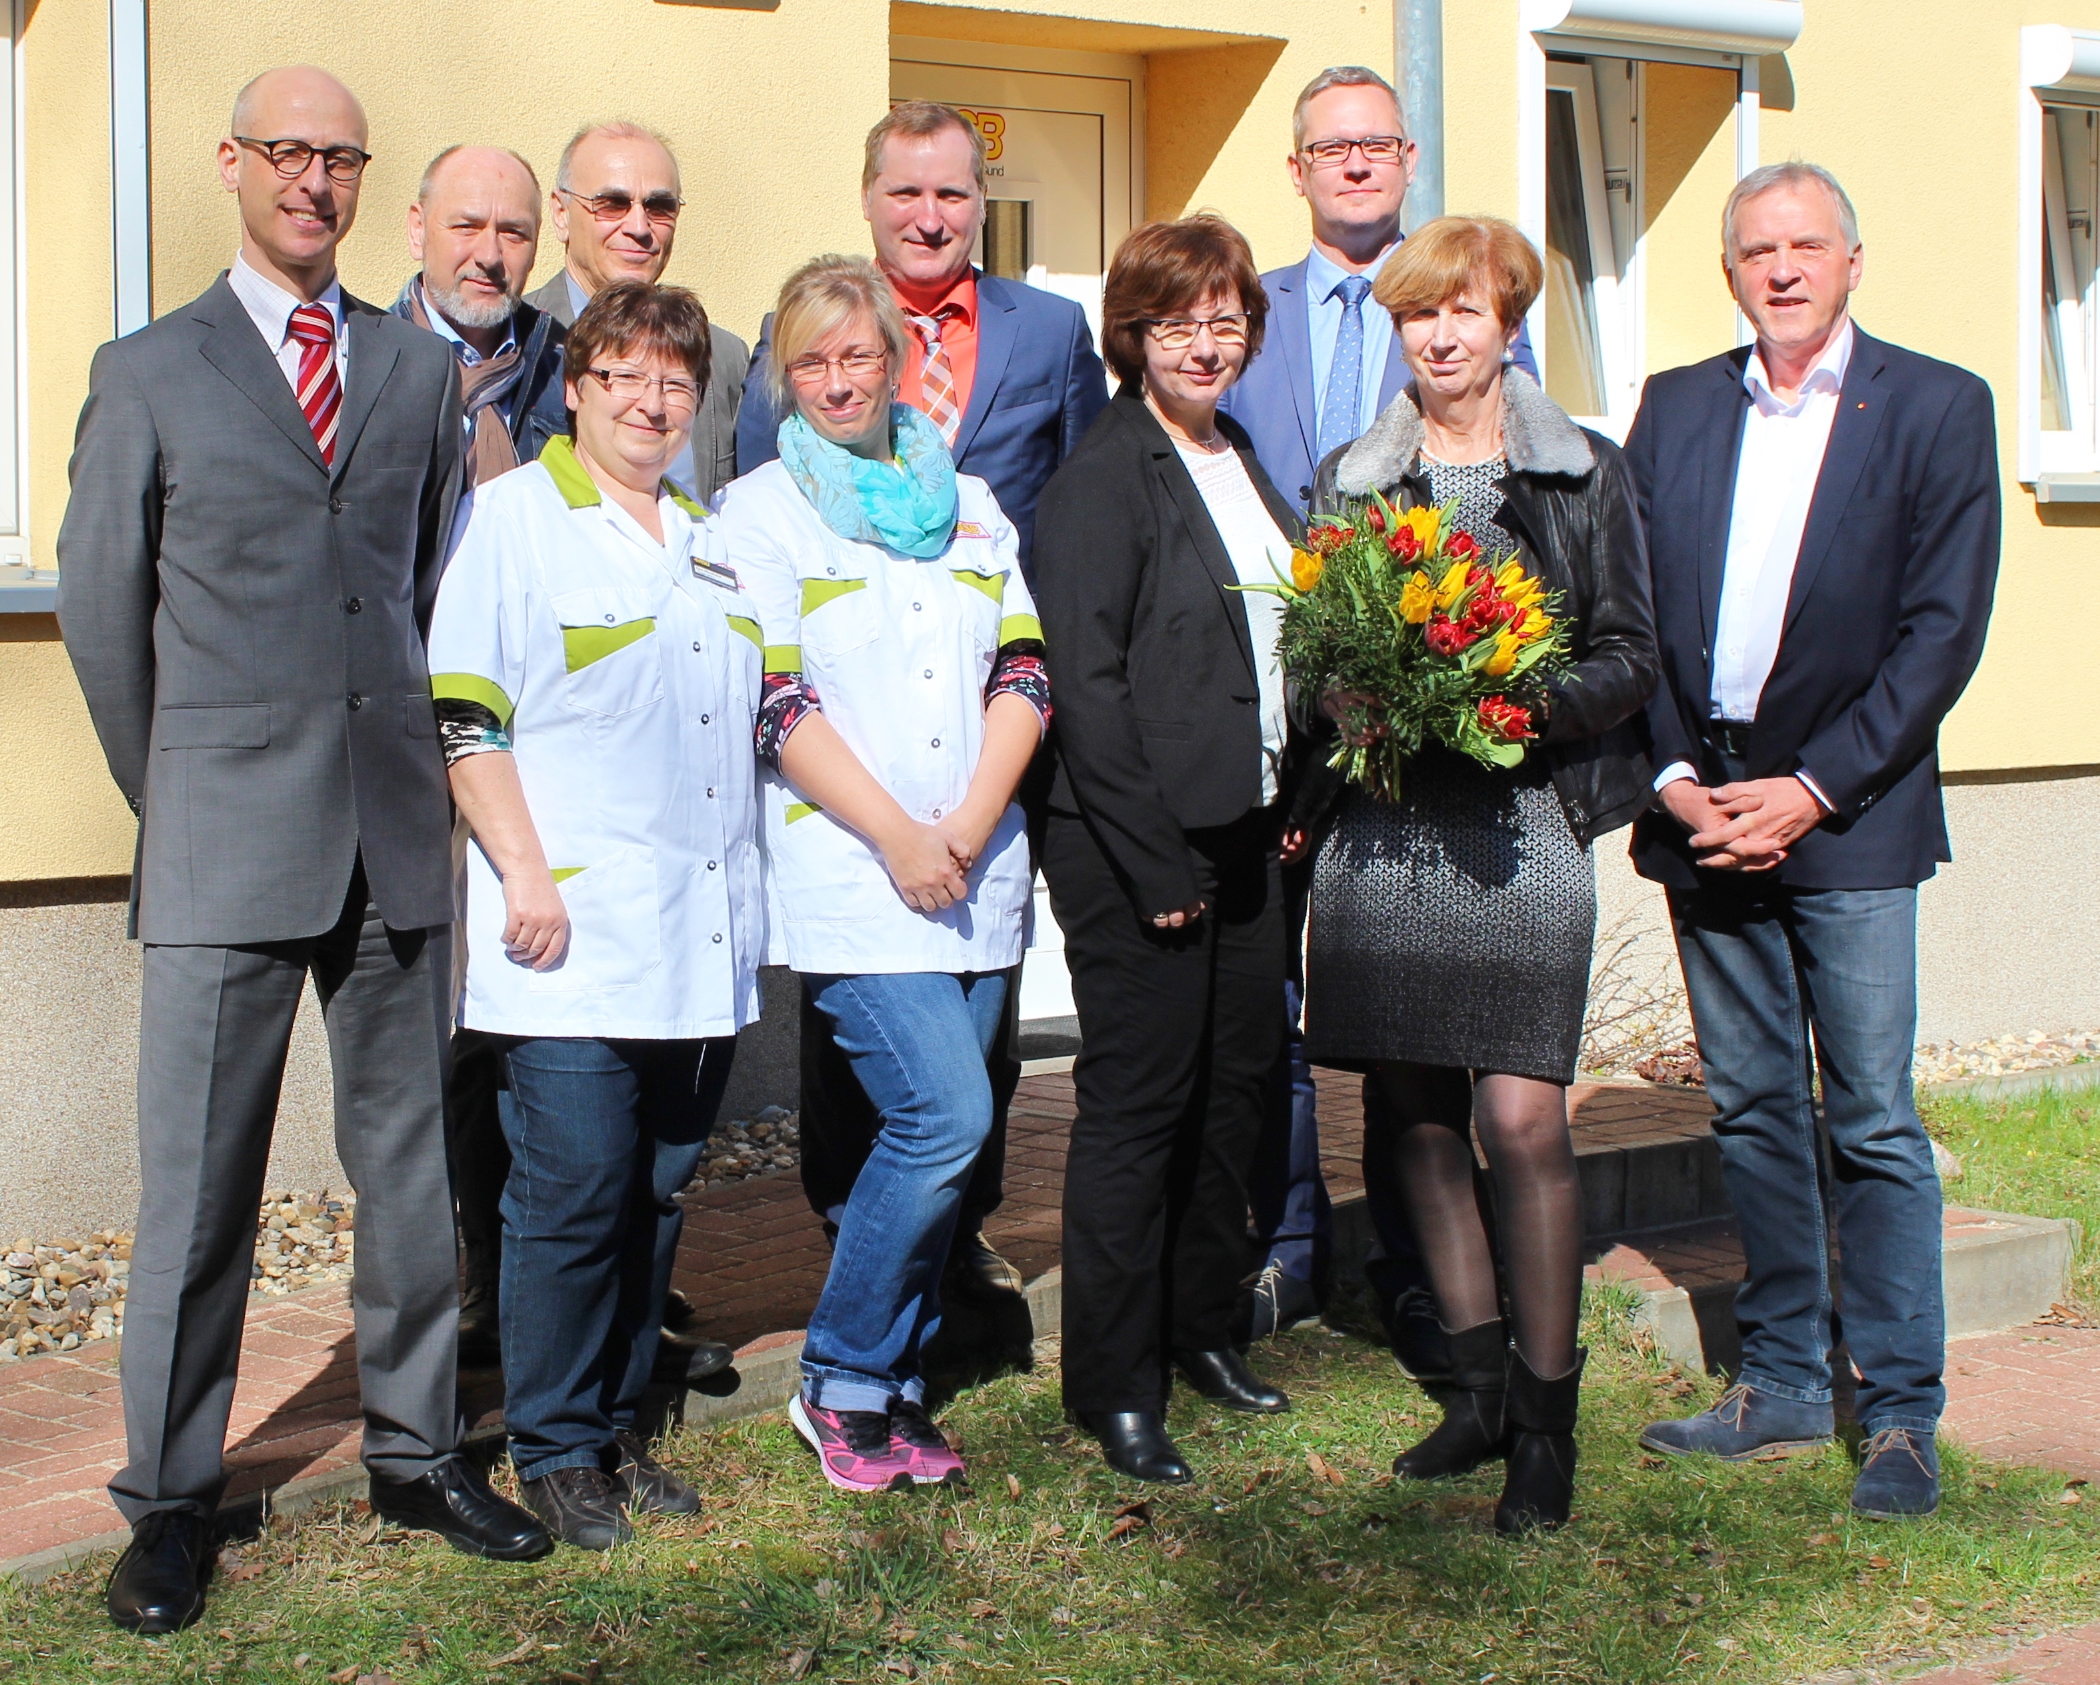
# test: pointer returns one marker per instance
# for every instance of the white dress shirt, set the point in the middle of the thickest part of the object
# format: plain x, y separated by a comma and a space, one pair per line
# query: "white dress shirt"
270, 308
1323, 319
1261, 555
1775, 480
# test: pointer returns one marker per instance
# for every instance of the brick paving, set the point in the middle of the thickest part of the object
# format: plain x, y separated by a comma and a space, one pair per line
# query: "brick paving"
2062, 1658
753, 1261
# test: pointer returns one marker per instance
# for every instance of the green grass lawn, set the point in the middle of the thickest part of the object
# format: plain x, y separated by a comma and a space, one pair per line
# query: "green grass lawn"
2038, 1153
1293, 1557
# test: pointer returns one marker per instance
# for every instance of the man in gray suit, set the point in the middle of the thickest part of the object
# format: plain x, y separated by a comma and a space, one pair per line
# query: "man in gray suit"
615, 208
261, 489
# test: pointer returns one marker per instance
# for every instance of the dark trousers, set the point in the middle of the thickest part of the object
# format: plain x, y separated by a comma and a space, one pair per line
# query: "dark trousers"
215, 1027
1787, 985
480, 1155
602, 1135
1293, 1217
839, 1124
1179, 1031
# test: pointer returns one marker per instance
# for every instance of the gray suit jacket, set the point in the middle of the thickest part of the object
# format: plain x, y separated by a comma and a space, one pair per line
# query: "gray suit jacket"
247, 624
714, 428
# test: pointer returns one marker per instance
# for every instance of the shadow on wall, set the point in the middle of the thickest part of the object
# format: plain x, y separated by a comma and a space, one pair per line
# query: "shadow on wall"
1194, 99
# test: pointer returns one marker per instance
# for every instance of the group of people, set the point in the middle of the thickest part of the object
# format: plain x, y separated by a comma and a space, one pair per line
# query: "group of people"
818, 654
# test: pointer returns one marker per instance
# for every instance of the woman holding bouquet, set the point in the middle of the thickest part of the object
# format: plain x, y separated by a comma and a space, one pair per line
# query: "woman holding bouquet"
1451, 928
1161, 847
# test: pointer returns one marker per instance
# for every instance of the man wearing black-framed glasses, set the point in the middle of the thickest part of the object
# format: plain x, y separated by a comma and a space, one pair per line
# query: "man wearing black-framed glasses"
262, 487
615, 208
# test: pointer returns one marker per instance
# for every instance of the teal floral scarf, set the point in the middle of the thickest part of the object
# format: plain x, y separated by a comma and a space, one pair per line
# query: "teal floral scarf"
907, 504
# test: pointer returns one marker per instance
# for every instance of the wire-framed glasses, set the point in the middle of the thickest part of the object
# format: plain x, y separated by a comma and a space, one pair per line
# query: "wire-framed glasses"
1377, 149
614, 204
680, 392
1178, 333
854, 365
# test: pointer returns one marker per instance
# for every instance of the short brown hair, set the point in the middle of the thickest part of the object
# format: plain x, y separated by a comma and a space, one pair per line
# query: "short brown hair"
1164, 267
1455, 254
632, 317
818, 299
917, 119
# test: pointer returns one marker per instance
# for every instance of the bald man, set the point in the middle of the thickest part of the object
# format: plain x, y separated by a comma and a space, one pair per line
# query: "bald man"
614, 208
262, 487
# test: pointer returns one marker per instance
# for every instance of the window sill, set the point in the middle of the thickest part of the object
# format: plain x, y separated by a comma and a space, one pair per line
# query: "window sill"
2054, 487
28, 590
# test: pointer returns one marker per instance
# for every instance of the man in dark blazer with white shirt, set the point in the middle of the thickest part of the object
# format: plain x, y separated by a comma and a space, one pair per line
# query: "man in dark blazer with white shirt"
262, 487
1010, 375
1823, 527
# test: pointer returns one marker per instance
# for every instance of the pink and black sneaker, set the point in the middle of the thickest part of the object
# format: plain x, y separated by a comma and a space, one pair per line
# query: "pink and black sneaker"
923, 1448
854, 1447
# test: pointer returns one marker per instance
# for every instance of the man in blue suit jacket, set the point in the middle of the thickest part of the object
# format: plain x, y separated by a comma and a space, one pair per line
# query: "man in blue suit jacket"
1823, 527
1036, 383
1011, 377
1327, 367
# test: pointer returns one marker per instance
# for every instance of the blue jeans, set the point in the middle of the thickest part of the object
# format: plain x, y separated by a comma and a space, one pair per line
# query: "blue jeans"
602, 1134
1292, 1214
918, 1042
1785, 984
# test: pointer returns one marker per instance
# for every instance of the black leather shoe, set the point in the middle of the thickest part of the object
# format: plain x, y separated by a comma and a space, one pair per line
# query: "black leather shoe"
480, 1334
158, 1584
1135, 1442
455, 1502
976, 1273
1472, 1430
581, 1507
648, 1487
685, 1360
1224, 1378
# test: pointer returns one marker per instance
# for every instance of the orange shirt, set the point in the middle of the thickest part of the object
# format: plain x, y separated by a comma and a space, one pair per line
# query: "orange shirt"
958, 336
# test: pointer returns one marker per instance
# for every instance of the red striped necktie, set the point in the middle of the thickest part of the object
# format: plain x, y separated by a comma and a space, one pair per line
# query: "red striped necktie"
320, 390
937, 380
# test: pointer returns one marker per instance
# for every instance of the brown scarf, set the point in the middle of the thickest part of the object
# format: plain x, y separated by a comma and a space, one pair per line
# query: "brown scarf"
481, 389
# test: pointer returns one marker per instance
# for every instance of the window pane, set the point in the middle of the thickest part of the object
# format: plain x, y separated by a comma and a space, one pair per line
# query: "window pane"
1574, 357
2070, 186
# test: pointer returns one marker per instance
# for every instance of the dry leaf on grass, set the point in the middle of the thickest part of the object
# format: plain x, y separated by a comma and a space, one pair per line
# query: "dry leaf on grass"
983, 1611
1879, 1562
1013, 1486
951, 1539
527, 1649
799, 1662
1822, 1538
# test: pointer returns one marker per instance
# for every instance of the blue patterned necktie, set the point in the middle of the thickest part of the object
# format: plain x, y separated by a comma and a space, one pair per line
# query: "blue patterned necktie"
1339, 415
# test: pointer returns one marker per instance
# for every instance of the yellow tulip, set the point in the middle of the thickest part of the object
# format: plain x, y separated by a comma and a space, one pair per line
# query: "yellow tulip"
1423, 523
1417, 598
1507, 644
1534, 625
1305, 569
1511, 573
1529, 595
1454, 582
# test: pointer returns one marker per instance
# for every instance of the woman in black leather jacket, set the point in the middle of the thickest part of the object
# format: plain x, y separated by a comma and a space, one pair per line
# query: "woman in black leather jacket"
1449, 947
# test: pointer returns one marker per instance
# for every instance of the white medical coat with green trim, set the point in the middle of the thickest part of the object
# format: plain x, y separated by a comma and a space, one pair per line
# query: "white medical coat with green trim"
627, 674
898, 652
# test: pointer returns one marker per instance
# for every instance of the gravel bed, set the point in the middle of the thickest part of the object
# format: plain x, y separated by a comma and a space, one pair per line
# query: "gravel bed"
64, 1293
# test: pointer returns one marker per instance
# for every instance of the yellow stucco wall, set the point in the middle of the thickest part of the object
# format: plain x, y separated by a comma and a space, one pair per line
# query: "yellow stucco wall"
1689, 118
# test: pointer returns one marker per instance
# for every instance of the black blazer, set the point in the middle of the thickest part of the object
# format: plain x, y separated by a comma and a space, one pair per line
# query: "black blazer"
1885, 622
1158, 730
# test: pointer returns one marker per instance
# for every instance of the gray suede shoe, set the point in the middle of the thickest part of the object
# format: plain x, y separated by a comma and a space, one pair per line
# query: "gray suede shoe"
1745, 1426
1899, 1476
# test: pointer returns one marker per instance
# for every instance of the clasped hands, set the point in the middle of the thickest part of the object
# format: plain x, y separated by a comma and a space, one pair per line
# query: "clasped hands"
930, 862
1745, 827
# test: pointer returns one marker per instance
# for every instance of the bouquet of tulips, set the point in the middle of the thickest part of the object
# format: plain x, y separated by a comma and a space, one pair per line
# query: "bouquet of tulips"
1408, 632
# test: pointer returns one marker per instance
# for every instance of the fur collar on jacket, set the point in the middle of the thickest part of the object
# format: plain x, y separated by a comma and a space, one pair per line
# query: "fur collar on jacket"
1537, 436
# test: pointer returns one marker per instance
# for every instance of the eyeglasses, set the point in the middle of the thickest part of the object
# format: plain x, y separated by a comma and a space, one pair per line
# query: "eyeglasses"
1377, 149
1178, 333
630, 384
855, 365
289, 158
614, 204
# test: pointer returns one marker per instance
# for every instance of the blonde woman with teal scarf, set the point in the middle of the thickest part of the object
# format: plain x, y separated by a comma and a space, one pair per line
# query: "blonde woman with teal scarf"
904, 698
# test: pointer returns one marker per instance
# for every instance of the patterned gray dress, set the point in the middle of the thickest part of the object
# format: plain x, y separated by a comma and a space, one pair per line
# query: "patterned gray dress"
1453, 927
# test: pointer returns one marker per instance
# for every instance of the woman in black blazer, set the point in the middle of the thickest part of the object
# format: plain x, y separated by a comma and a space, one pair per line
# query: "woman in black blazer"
1161, 846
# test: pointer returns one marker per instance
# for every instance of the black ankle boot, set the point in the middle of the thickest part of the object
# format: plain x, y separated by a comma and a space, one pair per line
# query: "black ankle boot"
1471, 1432
1541, 1452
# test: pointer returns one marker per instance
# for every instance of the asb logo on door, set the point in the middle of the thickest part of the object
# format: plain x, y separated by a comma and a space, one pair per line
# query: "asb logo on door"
992, 126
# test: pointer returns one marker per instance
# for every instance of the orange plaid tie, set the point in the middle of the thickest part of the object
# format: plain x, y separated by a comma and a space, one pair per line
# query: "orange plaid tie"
937, 380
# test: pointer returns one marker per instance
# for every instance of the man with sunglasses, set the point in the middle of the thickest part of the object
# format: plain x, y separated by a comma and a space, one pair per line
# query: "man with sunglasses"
262, 489
1326, 370
615, 209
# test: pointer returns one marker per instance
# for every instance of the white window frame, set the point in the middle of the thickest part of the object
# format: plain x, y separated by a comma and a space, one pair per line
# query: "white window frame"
1725, 34
2058, 67
1616, 285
